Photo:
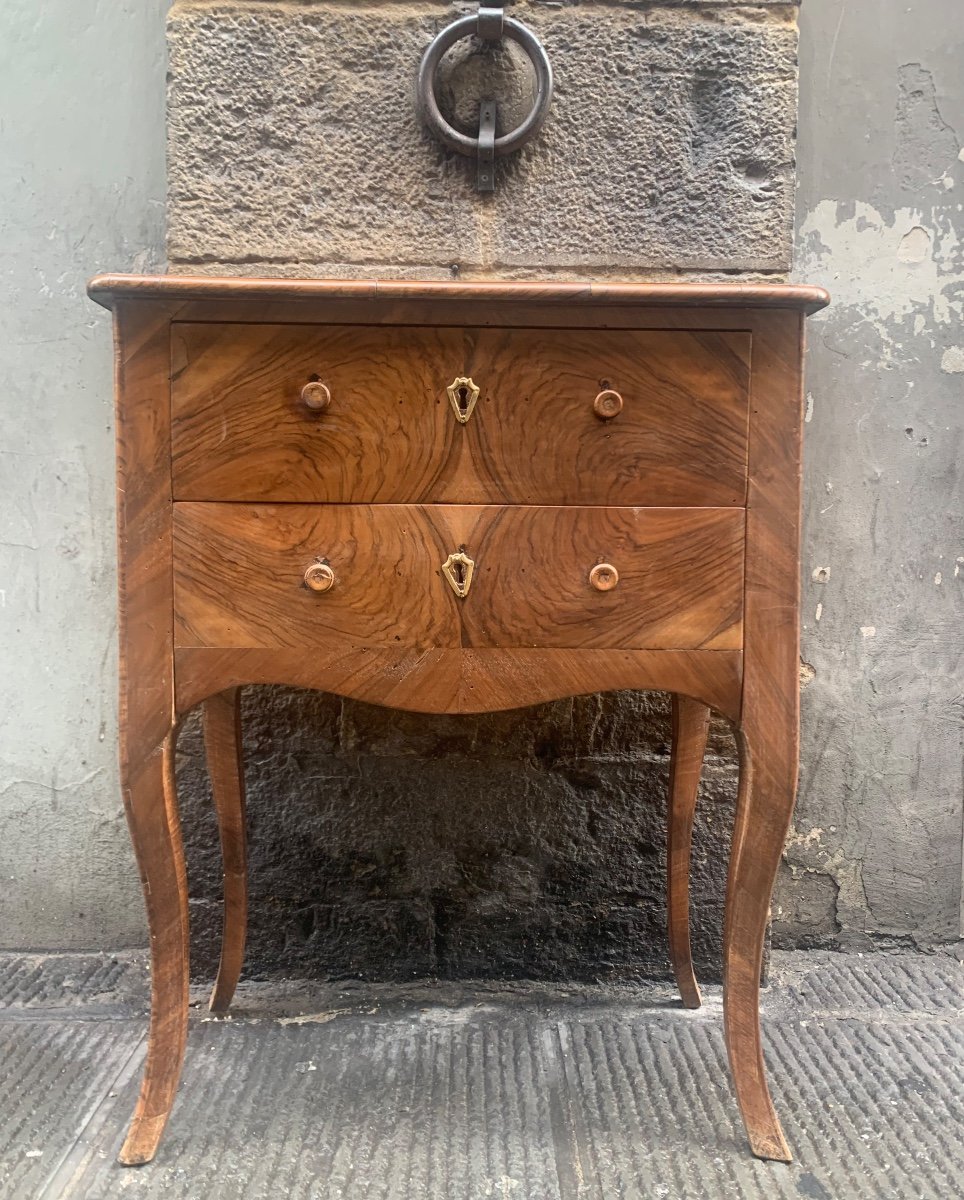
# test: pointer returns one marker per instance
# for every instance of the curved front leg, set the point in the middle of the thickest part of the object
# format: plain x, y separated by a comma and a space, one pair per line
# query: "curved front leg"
768, 774
151, 802
222, 742
691, 722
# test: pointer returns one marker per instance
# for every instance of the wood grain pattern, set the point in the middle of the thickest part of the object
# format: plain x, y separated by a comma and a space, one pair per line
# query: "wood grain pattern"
222, 744
142, 436
146, 699
536, 438
581, 305
466, 312
151, 802
241, 432
769, 721
239, 569
239, 576
691, 722
680, 577
464, 681
109, 289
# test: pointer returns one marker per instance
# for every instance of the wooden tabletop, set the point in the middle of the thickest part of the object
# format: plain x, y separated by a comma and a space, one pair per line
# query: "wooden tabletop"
107, 290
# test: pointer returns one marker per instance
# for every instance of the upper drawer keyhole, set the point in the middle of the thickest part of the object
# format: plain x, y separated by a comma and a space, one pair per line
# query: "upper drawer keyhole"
463, 393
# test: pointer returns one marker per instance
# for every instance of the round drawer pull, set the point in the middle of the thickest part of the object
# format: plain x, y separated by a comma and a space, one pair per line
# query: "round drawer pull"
315, 396
319, 577
604, 577
608, 404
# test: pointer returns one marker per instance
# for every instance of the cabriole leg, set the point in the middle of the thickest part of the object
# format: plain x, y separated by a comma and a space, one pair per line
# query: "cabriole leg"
222, 741
151, 802
768, 769
691, 721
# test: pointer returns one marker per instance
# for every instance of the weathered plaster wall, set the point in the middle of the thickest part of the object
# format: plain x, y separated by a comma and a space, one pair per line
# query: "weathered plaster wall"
516, 844
81, 188
527, 843
877, 848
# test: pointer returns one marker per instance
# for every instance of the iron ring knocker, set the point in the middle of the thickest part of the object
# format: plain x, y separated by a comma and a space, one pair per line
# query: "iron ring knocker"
491, 25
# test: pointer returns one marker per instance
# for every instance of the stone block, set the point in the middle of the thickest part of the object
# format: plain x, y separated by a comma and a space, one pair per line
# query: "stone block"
387, 845
294, 140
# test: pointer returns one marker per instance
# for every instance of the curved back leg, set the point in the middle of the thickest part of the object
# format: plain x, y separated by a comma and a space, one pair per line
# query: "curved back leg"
222, 743
691, 721
151, 802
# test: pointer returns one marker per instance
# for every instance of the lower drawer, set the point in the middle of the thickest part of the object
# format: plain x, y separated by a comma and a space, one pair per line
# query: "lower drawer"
310, 576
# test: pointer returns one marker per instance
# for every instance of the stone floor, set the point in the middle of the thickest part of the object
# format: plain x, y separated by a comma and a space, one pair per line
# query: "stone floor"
459, 1093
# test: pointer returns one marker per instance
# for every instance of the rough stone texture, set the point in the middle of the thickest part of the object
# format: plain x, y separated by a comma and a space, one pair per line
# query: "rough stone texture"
876, 852
392, 845
294, 138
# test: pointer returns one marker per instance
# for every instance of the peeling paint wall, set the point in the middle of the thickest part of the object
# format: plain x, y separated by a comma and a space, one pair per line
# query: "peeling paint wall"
876, 852
81, 188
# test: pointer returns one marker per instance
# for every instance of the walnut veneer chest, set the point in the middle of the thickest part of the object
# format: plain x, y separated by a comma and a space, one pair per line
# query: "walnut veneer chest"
450, 498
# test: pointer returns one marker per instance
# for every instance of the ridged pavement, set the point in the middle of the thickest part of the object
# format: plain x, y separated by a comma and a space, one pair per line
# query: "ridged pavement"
464, 1093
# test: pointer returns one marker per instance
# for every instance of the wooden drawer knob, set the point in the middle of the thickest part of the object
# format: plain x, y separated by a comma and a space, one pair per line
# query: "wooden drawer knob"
608, 404
319, 577
604, 577
315, 396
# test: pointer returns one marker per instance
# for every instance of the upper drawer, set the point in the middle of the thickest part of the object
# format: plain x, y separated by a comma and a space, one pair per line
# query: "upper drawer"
390, 433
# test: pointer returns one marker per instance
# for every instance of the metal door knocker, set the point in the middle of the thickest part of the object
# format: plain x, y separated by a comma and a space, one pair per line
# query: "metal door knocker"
491, 25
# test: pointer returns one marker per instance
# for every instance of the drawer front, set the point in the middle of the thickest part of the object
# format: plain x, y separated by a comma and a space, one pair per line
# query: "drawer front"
240, 576
677, 582
390, 434
563, 577
679, 436
241, 430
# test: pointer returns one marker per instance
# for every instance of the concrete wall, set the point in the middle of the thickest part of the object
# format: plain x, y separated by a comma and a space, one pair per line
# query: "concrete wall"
81, 188
877, 849
523, 843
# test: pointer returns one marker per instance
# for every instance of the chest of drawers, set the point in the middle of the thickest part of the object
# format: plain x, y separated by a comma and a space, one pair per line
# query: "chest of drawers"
452, 498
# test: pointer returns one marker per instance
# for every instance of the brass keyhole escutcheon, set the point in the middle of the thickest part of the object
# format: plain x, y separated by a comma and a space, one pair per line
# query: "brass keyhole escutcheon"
459, 569
463, 394
604, 577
